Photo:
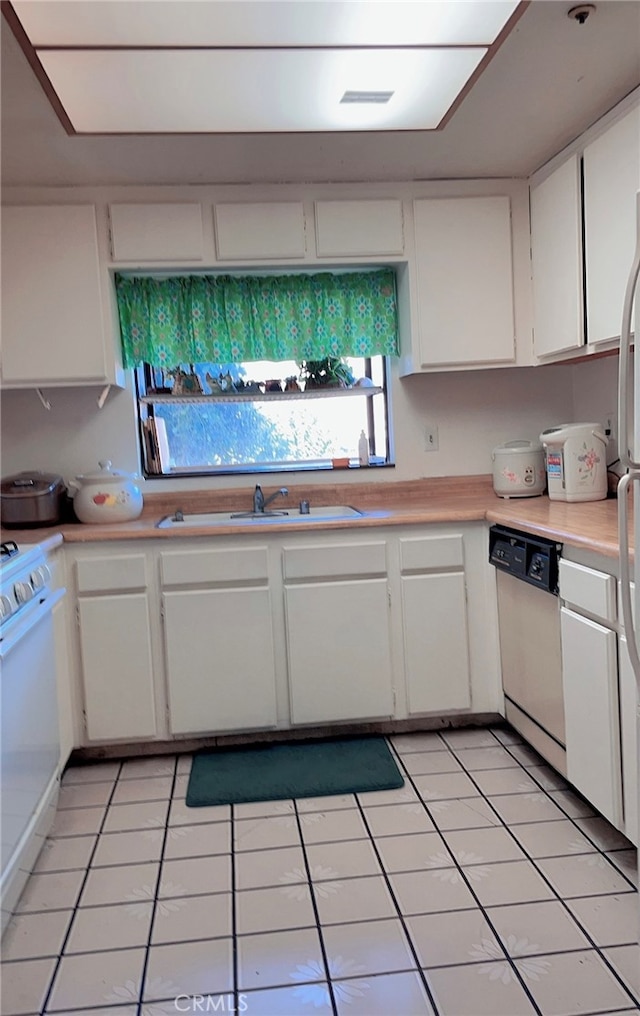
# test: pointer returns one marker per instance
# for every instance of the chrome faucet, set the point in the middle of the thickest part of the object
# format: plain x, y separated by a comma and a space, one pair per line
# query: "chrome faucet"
259, 500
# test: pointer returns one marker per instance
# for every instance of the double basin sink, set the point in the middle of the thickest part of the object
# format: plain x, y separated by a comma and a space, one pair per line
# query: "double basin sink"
323, 513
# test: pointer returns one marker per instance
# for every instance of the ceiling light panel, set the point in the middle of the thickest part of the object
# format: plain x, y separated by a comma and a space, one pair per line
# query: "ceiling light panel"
275, 23
201, 91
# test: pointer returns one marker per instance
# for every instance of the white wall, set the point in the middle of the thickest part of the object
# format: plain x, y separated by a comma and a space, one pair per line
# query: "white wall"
473, 410
595, 395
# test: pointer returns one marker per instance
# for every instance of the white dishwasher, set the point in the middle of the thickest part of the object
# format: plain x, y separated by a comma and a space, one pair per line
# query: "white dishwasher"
530, 646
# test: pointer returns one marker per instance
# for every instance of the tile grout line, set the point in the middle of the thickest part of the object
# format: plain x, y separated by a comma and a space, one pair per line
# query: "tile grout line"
316, 914
75, 908
234, 913
542, 874
401, 917
599, 951
508, 959
154, 902
501, 823
543, 790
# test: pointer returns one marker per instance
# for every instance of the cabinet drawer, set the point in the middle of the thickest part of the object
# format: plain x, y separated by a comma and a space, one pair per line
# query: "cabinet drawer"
195, 567
260, 230
351, 228
156, 232
589, 590
431, 553
107, 574
353, 560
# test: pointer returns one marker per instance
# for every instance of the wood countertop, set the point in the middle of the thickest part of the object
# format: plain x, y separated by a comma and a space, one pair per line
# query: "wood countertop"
589, 525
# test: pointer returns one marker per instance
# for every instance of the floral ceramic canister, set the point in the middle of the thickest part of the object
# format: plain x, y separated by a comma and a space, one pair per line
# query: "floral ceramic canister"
108, 495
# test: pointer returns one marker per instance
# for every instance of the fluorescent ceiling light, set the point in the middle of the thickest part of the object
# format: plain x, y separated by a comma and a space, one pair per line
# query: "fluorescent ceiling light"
257, 66
235, 91
278, 23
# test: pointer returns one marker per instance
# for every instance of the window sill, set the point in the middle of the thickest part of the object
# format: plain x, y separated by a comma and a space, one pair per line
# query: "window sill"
186, 474
314, 393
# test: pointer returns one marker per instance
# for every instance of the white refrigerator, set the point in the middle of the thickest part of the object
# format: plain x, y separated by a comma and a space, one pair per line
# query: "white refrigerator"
629, 500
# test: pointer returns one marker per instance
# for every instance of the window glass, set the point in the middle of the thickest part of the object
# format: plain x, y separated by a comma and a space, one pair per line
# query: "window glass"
266, 417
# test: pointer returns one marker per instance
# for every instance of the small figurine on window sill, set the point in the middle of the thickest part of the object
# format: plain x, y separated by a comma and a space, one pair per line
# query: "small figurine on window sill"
291, 384
223, 384
185, 384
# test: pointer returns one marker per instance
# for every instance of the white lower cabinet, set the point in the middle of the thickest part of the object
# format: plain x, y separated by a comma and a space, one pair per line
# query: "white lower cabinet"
629, 743
219, 642
590, 682
69, 739
434, 624
115, 647
118, 672
338, 632
220, 635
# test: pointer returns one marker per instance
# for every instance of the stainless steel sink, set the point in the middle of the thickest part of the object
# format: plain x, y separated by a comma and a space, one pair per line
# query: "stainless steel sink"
324, 513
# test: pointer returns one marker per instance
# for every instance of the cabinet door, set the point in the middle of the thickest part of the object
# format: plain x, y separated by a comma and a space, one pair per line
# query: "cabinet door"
353, 228
590, 683
220, 659
260, 230
629, 743
52, 315
556, 250
434, 613
465, 280
338, 648
611, 181
117, 667
63, 681
171, 232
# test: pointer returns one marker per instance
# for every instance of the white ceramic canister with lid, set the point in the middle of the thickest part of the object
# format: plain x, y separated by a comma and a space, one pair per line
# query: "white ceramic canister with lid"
107, 495
518, 469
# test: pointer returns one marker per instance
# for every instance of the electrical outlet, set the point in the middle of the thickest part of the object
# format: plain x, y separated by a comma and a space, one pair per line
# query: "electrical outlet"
430, 437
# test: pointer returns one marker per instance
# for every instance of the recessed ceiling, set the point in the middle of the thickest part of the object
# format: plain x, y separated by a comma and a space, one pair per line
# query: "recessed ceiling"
224, 66
548, 81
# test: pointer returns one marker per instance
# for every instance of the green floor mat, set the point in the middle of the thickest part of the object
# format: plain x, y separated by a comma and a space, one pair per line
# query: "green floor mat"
277, 772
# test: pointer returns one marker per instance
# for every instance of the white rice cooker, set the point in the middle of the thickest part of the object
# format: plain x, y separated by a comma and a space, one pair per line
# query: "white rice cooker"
576, 461
518, 469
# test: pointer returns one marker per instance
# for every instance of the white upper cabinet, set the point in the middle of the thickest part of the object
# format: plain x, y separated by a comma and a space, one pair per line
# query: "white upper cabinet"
260, 230
167, 232
556, 251
53, 314
354, 228
464, 275
611, 181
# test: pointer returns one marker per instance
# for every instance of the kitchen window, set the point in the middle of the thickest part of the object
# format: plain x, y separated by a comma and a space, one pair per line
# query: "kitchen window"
260, 373
259, 426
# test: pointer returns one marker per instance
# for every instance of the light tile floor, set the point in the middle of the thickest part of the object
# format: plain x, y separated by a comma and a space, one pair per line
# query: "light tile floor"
484, 886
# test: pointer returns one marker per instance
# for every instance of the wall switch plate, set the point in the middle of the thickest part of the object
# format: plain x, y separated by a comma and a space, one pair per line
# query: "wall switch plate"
430, 437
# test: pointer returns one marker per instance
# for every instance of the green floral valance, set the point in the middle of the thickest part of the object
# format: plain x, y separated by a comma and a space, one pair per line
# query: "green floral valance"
230, 319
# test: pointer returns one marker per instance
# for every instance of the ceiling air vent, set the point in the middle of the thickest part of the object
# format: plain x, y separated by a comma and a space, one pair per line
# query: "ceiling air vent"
378, 97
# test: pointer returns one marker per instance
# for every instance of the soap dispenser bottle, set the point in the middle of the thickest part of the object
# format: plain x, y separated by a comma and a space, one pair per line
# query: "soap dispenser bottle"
363, 449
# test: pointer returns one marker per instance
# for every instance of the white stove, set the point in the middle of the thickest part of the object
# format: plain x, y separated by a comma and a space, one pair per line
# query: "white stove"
24, 575
29, 734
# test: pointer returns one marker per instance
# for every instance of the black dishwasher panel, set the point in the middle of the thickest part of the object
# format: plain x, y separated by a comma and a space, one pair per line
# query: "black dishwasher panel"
530, 558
